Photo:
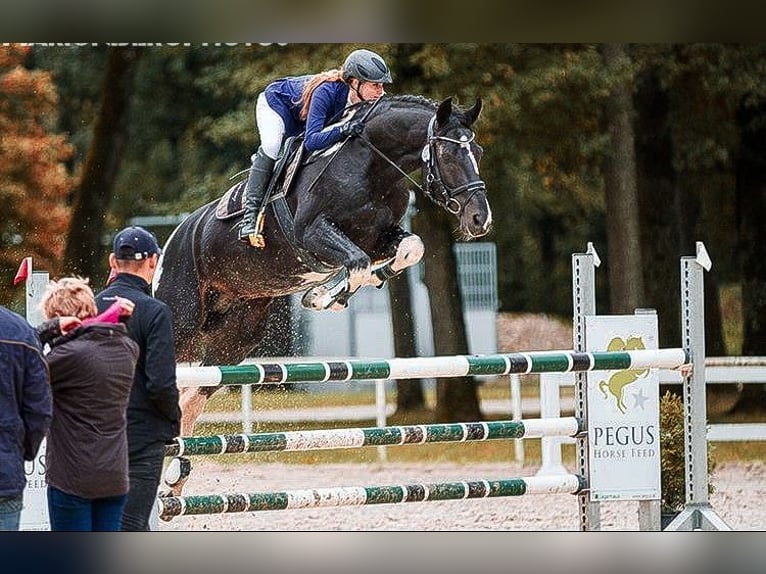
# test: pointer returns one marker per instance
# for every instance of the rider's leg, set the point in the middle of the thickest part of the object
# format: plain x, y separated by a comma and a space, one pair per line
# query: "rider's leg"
271, 128
257, 180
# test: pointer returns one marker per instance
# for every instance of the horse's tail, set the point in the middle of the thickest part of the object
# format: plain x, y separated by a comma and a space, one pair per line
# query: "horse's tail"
176, 280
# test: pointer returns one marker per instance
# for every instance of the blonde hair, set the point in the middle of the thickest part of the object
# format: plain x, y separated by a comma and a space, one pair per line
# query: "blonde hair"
335, 75
69, 296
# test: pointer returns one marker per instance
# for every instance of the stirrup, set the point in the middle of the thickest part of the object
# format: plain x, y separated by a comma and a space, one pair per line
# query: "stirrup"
255, 238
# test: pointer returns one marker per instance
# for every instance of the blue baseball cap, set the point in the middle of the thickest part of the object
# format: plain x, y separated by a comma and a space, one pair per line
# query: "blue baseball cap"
135, 243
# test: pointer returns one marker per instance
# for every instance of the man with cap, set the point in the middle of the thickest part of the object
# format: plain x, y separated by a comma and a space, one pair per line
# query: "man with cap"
153, 412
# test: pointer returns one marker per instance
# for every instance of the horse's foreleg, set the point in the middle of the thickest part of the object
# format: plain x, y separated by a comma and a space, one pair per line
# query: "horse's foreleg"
409, 252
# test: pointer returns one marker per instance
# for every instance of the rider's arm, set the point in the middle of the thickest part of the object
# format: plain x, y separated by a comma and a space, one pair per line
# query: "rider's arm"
321, 110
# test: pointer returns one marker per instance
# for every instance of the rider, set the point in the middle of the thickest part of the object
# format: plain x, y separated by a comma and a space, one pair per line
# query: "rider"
291, 105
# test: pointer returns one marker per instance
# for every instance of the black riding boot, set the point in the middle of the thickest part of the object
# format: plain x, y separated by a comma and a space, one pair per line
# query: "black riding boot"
257, 180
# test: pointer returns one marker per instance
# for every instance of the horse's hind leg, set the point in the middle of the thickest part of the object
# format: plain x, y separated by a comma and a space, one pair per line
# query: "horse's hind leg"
228, 339
192, 401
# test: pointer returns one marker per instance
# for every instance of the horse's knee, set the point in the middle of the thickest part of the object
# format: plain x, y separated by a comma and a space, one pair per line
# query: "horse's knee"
409, 253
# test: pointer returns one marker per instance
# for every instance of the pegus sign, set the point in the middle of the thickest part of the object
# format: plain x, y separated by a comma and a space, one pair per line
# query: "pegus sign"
623, 413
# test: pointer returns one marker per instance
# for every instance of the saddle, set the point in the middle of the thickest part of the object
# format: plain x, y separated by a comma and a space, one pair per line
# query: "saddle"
231, 204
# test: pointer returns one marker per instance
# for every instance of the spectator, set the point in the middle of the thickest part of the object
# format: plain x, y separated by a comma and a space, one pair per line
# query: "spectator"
25, 410
91, 368
153, 414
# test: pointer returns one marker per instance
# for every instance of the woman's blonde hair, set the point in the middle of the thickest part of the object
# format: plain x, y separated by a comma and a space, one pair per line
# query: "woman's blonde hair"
69, 297
335, 75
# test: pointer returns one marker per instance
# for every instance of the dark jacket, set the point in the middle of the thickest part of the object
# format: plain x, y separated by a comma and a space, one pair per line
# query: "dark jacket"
25, 400
153, 410
91, 371
327, 104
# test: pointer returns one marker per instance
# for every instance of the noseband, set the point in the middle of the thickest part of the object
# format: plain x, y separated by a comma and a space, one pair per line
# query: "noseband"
434, 185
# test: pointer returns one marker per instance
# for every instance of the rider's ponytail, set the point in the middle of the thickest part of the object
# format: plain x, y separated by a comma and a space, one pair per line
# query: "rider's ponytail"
335, 75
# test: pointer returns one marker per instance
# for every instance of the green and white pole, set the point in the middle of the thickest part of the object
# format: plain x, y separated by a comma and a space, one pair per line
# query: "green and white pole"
429, 367
169, 507
372, 436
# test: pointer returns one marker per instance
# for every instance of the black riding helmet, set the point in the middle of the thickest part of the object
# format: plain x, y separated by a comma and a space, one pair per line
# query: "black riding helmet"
367, 66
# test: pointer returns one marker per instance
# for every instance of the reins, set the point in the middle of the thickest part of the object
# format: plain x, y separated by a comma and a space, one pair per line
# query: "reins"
340, 147
447, 194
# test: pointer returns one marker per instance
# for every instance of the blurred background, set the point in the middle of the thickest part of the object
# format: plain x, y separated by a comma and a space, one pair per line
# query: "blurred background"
642, 149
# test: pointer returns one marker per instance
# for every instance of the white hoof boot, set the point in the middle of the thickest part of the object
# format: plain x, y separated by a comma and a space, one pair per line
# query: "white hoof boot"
178, 470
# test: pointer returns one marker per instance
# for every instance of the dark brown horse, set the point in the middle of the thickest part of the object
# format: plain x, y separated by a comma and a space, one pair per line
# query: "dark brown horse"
346, 205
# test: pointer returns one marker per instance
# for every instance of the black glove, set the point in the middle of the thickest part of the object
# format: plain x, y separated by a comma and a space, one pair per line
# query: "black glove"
352, 128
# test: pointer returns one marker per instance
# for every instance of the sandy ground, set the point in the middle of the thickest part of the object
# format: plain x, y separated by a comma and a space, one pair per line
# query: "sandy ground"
738, 500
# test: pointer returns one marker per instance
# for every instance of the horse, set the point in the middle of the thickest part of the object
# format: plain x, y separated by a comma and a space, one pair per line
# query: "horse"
621, 379
331, 227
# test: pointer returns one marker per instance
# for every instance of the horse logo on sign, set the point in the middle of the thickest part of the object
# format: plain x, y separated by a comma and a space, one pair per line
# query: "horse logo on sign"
621, 379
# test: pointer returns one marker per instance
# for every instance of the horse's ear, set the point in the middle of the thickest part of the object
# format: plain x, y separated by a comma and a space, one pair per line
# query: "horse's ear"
444, 111
473, 113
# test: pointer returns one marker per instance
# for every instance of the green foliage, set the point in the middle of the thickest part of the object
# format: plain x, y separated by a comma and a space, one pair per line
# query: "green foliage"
673, 474
192, 128
672, 454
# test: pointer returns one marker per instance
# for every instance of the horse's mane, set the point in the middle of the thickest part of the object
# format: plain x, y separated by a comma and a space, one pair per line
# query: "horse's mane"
388, 102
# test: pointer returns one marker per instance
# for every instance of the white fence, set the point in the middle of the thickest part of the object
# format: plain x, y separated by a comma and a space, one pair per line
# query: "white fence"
718, 370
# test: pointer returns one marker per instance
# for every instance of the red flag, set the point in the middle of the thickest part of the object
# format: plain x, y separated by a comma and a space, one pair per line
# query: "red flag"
23, 272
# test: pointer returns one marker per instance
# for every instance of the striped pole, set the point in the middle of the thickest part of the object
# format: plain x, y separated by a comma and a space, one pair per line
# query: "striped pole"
169, 507
430, 367
372, 436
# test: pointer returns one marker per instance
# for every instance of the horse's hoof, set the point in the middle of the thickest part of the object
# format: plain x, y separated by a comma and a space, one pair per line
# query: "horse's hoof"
178, 470
323, 296
338, 306
312, 299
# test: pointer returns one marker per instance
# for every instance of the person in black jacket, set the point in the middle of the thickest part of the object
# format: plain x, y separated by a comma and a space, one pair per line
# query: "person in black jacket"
26, 408
154, 414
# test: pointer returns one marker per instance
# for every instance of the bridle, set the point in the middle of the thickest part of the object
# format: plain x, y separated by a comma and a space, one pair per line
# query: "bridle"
434, 186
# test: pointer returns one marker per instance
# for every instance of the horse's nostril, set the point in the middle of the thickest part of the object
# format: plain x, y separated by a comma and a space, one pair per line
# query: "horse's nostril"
478, 219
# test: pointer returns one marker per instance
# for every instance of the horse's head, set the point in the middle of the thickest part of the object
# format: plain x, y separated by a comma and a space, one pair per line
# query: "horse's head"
451, 168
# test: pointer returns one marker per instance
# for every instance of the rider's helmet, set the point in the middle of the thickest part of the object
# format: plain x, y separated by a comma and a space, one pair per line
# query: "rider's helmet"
367, 66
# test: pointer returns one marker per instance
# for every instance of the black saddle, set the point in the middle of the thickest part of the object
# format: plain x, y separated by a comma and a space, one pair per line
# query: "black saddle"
232, 203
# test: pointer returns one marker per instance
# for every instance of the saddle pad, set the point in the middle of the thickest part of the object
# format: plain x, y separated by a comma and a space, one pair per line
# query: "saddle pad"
231, 203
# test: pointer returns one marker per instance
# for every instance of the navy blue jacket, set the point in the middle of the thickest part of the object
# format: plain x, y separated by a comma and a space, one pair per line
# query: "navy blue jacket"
327, 104
26, 406
153, 410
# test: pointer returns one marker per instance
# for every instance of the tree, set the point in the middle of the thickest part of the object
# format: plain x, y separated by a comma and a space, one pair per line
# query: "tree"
751, 202
409, 393
456, 397
626, 285
35, 184
84, 250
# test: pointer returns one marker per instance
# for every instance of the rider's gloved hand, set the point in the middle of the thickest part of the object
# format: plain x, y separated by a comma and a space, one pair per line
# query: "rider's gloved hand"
351, 128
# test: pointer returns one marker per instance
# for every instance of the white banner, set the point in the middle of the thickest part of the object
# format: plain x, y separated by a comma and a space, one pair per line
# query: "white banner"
34, 515
623, 413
